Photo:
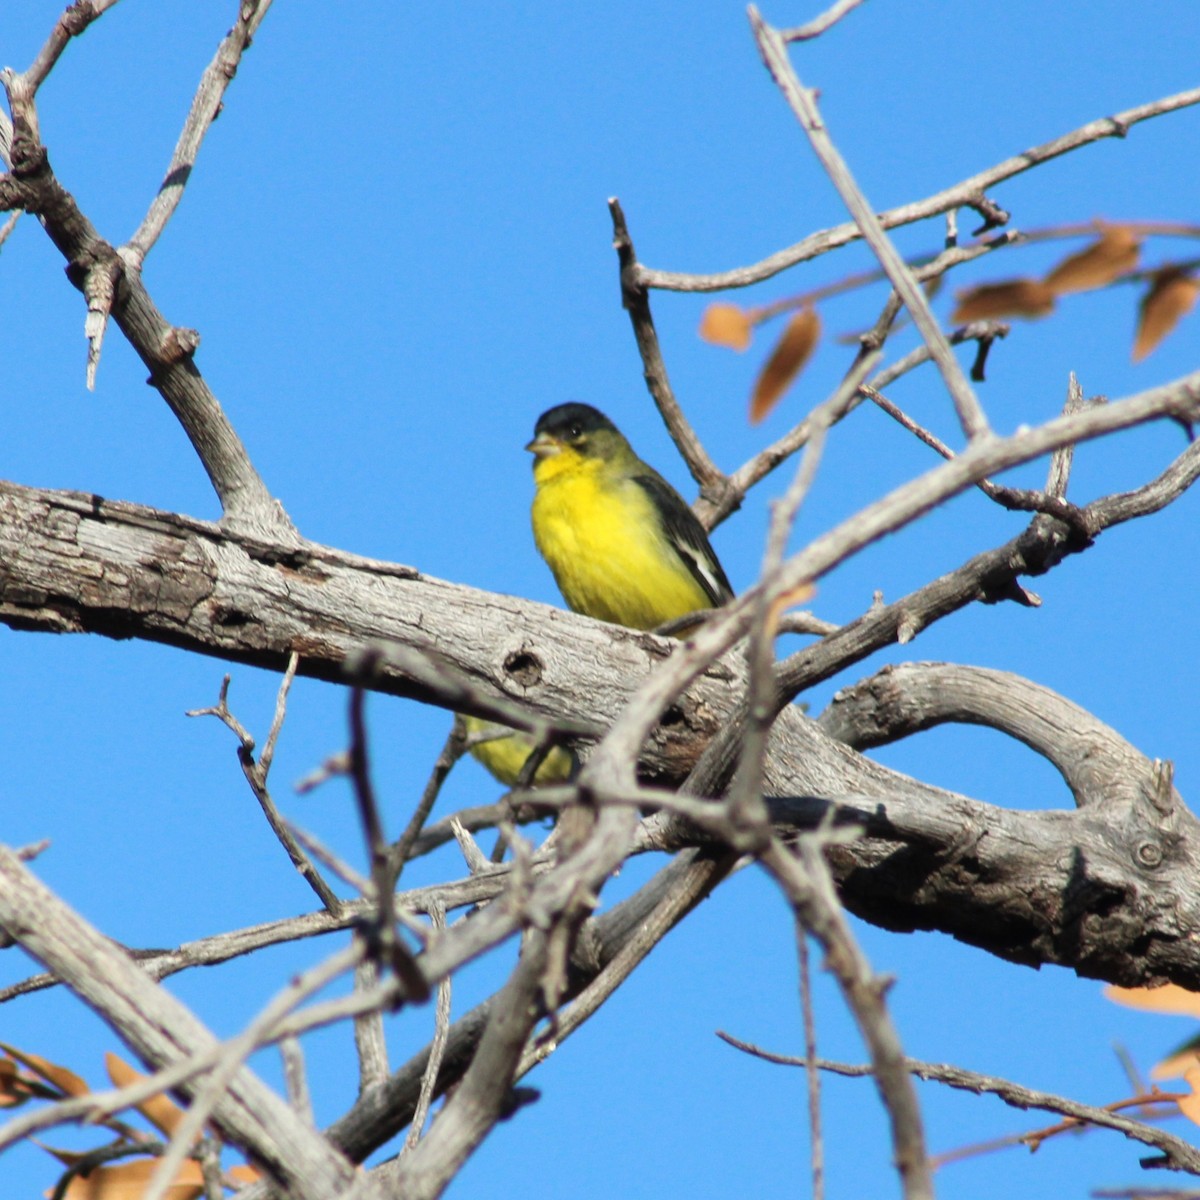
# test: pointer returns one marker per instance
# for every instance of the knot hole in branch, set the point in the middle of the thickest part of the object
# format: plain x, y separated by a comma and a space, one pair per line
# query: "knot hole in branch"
523, 668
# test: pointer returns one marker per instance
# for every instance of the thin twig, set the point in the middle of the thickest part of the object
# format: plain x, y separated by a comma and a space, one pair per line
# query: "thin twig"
803, 104
1180, 1153
636, 299
234, 1055
805, 880
819, 25
744, 803
1061, 460
813, 1072
712, 512
256, 776
388, 945
437, 1049
1013, 499
452, 750
295, 1079
9, 226
970, 192
205, 108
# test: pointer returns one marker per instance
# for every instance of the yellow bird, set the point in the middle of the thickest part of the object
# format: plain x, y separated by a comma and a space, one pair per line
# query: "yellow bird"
620, 540
505, 756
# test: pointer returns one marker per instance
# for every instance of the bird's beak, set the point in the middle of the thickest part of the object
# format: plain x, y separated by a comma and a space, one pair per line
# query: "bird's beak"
544, 445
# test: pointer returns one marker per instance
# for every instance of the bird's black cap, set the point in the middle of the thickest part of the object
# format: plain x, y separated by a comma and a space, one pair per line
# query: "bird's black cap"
567, 421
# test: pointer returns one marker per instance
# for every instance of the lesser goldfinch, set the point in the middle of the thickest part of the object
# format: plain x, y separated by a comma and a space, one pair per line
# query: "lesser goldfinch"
505, 756
622, 543
620, 540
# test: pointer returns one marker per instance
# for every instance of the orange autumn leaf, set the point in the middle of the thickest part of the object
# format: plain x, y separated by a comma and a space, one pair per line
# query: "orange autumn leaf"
726, 325
1009, 298
66, 1081
12, 1086
1190, 1104
1176, 1066
787, 360
1170, 298
128, 1181
1170, 998
163, 1113
18, 1085
1111, 255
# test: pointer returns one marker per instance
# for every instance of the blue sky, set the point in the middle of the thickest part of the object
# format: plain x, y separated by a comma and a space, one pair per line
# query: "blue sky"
396, 249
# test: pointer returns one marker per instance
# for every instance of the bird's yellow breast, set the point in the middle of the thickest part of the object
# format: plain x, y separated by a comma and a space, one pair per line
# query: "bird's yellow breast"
604, 542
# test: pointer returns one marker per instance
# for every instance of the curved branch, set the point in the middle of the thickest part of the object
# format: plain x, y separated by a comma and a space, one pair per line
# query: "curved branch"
898, 701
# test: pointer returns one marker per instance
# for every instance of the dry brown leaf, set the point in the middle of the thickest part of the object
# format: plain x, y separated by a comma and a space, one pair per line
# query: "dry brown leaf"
66, 1080
1175, 1067
1111, 255
1190, 1104
68, 1158
1170, 298
1170, 998
787, 360
726, 325
1009, 298
128, 1181
17, 1086
162, 1112
241, 1173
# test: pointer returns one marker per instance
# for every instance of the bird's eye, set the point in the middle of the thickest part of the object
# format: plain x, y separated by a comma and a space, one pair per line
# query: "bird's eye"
574, 432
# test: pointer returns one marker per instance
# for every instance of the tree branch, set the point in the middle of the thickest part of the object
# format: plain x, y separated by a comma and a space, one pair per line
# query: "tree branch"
969, 192
773, 47
159, 1029
898, 701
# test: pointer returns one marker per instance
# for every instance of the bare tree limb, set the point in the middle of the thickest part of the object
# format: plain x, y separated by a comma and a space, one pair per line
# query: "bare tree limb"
806, 882
819, 25
901, 700
159, 1029
97, 270
636, 300
206, 105
1179, 1154
969, 192
773, 47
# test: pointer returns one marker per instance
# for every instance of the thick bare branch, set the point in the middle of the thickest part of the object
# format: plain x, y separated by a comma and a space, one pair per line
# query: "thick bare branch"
1096, 762
160, 1030
167, 350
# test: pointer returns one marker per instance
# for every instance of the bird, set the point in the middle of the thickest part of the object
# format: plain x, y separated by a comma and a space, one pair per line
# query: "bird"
505, 755
622, 544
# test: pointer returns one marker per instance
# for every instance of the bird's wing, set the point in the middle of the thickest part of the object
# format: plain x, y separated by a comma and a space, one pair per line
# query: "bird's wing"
687, 537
